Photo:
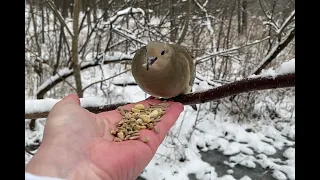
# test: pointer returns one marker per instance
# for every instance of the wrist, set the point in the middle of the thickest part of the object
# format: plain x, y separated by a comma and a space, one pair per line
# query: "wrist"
47, 163
60, 163
29, 176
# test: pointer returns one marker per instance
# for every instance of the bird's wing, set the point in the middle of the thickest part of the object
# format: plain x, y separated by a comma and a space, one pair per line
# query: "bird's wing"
190, 58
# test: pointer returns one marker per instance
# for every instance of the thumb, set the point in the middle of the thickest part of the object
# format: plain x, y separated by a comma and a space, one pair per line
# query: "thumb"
61, 114
64, 105
71, 99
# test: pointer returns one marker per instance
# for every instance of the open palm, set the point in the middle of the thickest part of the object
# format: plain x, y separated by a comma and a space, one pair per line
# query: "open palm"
82, 145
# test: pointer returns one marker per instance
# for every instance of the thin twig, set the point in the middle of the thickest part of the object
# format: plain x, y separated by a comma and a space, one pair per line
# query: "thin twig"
36, 55
102, 80
60, 18
29, 152
66, 81
207, 57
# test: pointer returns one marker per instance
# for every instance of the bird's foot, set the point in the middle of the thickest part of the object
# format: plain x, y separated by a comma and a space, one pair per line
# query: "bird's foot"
151, 97
157, 98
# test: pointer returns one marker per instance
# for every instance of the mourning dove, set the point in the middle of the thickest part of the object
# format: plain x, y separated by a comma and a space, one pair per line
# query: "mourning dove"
164, 70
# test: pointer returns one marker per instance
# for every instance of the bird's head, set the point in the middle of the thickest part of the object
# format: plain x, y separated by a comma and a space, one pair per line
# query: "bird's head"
157, 53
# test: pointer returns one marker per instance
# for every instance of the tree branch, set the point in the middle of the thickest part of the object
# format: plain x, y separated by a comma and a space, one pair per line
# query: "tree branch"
105, 79
60, 18
66, 81
237, 87
286, 22
275, 51
208, 21
129, 36
207, 57
56, 79
186, 23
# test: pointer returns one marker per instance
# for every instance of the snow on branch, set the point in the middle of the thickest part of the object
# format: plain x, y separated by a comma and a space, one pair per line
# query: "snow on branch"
275, 27
286, 22
40, 108
124, 33
201, 78
124, 12
66, 72
285, 68
275, 51
208, 21
112, 19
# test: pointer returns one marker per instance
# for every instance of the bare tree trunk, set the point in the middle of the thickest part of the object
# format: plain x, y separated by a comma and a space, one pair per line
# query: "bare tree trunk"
65, 9
72, 11
42, 23
56, 65
88, 16
34, 22
226, 45
186, 23
105, 8
147, 10
172, 22
94, 12
217, 74
275, 51
61, 37
244, 16
76, 67
239, 16
48, 20
270, 28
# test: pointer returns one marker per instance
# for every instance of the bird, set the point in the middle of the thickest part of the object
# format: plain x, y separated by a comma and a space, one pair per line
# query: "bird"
164, 70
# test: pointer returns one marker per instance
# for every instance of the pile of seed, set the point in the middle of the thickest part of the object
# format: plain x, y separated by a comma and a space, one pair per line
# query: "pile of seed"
140, 117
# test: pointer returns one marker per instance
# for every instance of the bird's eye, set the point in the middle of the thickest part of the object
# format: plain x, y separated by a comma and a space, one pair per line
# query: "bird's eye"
162, 52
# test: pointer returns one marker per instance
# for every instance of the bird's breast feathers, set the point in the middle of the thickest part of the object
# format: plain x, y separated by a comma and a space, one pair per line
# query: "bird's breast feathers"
160, 86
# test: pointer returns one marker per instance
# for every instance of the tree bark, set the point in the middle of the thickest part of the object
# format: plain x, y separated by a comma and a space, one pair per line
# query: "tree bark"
239, 16
273, 54
173, 27
186, 22
75, 57
237, 87
244, 16
34, 23
42, 23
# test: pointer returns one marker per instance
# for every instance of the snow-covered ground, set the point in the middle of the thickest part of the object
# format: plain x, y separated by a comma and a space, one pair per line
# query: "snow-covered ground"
204, 145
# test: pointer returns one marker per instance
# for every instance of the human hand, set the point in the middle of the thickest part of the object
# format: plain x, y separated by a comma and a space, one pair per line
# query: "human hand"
77, 144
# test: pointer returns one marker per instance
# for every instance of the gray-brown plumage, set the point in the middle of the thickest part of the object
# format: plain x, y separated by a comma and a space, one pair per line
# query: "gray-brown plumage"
164, 70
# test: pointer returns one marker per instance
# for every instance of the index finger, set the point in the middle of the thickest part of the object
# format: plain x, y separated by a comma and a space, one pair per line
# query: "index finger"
167, 121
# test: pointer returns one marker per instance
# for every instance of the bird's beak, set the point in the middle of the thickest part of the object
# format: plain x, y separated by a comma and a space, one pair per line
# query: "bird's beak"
150, 61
